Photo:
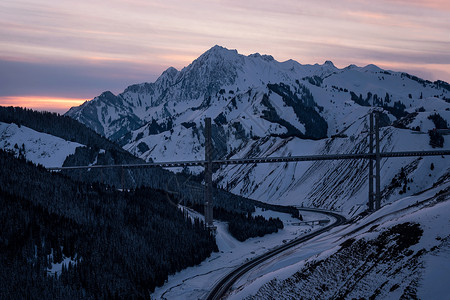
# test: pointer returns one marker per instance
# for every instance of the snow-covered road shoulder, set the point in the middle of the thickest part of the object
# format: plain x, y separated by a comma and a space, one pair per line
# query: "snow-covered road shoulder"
196, 282
401, 250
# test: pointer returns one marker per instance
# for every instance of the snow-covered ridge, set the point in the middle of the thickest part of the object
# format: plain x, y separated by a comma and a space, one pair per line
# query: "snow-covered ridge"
38, 147
262, 107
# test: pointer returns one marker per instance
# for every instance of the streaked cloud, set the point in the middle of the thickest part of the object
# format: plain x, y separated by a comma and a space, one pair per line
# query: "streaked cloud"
78, 49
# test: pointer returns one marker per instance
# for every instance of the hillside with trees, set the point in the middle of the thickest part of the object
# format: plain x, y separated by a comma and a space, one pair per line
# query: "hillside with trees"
106, 243
101, 151
182, 188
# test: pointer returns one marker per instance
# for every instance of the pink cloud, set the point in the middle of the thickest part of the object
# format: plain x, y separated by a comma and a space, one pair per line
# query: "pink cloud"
136, 39
434, 4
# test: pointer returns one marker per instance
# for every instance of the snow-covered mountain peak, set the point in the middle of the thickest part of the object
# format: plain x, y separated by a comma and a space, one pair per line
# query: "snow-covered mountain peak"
264, 56
205, 76
108, 97
213, 58
106, 94
371, 68
167, 78
217, 51
171, 72
350, 67
328, 63
262, 107
268, 57
327, 68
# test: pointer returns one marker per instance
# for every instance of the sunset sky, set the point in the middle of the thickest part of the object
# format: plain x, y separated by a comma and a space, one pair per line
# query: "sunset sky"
57, 54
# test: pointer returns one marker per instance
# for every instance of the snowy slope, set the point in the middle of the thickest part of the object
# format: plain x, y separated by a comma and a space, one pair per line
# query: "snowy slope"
38, 147
335, 184
402, 250
262, 107
196, 282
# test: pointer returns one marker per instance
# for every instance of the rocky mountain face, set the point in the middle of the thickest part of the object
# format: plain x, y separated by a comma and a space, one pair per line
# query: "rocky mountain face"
261, 107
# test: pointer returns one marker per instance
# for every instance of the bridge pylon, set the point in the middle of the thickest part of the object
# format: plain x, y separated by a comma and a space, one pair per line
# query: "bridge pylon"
371, 195
374, 202
208, 176
377, 162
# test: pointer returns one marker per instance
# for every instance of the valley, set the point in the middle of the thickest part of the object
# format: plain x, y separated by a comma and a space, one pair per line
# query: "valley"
260, 108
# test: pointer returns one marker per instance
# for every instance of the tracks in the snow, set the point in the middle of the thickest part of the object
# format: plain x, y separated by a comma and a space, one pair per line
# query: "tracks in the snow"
222, 287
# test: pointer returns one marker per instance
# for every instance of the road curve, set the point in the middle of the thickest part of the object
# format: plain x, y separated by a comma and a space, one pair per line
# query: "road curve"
221, 288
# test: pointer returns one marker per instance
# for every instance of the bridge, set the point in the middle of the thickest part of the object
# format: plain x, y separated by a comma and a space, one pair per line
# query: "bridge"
259, 160
374, 201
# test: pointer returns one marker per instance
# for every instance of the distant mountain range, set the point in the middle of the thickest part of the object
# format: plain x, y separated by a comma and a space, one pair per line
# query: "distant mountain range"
71, 226
262, 107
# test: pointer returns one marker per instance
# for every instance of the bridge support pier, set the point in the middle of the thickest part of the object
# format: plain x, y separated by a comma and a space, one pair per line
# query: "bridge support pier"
374, 202
370, 203
377, 162
208, 176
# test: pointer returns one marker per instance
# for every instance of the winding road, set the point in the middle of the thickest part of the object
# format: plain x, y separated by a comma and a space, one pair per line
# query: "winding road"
222, 287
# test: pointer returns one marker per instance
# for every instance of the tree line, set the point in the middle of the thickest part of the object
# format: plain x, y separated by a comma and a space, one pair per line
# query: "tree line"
120, 244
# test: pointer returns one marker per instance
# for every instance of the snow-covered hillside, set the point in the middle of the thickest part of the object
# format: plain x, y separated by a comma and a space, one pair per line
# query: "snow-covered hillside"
400, 252
196, 282
262, 107
402, 249
38, 147
341, 184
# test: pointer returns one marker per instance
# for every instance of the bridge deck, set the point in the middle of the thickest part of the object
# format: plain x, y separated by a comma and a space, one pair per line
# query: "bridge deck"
238, 161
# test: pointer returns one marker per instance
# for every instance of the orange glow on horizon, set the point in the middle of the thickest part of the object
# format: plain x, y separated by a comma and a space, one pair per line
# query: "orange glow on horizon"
41, 103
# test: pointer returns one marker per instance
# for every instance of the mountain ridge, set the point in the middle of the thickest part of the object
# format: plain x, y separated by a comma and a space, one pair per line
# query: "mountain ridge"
257, 103
52, 140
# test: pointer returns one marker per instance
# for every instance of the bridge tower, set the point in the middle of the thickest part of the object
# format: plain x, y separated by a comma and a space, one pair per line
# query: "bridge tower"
371, 195
374, 202
208, 176
377, 162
